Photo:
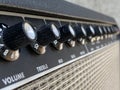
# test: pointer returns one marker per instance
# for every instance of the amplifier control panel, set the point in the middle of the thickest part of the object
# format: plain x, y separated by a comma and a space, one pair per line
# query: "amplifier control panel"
31, 47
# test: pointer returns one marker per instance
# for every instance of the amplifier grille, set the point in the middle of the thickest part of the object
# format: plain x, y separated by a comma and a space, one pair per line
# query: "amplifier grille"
98, 71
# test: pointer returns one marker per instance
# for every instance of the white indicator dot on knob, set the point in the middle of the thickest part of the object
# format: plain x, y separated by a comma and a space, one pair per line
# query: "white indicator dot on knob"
29, 31
105, 29
71, 30
55, 31
83, 30
92, 29
108, 29
4, 26
100, 30
0, 29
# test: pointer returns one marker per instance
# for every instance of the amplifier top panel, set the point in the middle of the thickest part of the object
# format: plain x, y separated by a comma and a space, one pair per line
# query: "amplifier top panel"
56, 8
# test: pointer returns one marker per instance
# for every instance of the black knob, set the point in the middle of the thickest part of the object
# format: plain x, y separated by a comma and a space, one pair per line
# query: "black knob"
108, 30
98, 30
89, 30
47, 34
67, 32
116, 30
104, 30
112, 29
19, 35
79, 32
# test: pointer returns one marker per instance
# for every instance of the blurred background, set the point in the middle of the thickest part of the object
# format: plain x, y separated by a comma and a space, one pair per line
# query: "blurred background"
108, 7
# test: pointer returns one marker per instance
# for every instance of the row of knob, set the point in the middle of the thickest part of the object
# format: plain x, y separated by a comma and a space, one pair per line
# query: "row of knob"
22, 34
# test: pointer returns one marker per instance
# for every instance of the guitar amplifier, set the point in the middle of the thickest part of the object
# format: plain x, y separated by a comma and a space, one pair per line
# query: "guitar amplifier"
56, 45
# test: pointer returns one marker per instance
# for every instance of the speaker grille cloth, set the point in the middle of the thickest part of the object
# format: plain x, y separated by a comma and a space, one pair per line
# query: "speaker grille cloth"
98, 71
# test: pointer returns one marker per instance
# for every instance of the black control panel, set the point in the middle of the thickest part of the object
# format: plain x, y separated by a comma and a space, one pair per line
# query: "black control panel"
32, 47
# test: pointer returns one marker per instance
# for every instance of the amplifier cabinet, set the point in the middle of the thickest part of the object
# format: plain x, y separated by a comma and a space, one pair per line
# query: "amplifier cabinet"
56, 45
97, 71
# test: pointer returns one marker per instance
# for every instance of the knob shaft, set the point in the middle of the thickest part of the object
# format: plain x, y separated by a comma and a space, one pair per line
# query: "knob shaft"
47, 34
19, 35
